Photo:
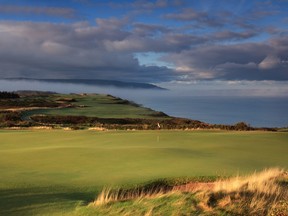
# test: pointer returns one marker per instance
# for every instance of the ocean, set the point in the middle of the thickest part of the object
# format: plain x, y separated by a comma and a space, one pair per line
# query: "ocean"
256, 111
218, 109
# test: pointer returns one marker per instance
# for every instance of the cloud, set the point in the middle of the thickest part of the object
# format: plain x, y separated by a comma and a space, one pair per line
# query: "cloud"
270, 62
106, 51
149, 30
149, 5
230, 35
194, 49
48, 11
248, 61
78, 50
151, 38
192, 15
229, 88
111, 23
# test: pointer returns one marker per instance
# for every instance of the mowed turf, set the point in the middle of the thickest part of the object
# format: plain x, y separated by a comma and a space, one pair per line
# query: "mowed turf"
96, 105
58, 172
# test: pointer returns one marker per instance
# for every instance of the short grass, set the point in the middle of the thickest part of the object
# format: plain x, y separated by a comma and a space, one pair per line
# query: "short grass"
97, 105
59, 172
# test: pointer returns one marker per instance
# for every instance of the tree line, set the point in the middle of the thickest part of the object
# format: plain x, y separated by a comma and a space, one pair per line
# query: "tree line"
8, 95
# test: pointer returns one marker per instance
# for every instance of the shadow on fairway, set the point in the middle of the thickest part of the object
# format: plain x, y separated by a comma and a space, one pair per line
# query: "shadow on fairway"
33, 200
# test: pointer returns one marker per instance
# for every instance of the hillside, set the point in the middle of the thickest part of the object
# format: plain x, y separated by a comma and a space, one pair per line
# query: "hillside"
26, 109
83, 111
95, 82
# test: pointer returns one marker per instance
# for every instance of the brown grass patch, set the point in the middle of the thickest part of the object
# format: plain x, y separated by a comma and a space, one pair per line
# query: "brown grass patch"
256, 194
194, 187
263, 193
109, 195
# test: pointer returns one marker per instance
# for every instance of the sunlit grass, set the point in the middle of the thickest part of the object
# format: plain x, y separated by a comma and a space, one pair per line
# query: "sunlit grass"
60, 171
97, 105
256, 194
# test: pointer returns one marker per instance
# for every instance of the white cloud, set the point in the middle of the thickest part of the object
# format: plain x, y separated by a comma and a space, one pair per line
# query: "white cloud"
244, 61
269, 62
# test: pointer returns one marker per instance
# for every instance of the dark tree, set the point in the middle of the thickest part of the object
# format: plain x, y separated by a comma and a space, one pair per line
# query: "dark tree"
8, 95
242, 126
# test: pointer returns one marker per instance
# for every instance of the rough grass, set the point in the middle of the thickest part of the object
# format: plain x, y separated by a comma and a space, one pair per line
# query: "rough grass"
257, 194
108, 195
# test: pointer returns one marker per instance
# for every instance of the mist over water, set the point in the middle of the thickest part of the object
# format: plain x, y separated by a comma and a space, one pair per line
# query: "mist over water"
209, 105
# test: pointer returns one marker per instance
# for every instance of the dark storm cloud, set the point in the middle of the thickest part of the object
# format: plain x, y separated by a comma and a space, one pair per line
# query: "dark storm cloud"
201, 45
70, 51
106, 51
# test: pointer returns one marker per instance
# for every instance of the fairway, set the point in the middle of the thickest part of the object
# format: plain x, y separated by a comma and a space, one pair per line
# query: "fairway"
56, 171
95, 105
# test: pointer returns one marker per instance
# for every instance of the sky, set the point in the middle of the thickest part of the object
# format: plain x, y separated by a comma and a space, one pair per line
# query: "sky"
156, 41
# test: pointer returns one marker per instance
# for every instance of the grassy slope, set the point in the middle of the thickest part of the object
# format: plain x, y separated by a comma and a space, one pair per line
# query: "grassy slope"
54, 171
97, 105
262, 193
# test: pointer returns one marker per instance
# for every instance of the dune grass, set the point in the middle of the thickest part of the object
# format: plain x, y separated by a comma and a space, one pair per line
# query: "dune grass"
56, 172
257, 194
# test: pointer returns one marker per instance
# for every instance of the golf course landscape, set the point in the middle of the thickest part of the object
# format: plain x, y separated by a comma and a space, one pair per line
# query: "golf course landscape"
143, 108
101, 155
